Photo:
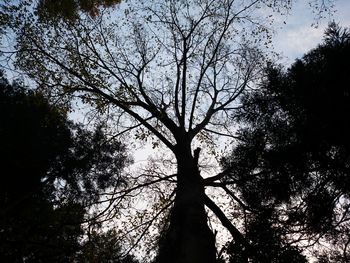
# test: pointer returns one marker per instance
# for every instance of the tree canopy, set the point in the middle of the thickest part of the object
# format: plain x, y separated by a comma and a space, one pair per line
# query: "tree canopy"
292, 165
52, 173
70, 9
176, 73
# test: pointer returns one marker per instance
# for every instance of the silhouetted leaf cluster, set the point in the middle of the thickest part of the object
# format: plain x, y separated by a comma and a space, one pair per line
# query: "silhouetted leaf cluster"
52, 171
294, 154
103, 248
69, 9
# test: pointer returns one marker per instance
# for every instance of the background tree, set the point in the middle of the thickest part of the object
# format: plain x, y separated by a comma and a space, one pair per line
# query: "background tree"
293, 159
103, 247
171, 72
70, 9
52, 173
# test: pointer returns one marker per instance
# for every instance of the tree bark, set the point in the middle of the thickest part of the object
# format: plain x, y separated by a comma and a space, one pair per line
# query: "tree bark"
188, 238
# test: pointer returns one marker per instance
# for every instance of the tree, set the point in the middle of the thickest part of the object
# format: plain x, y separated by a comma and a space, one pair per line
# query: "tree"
52, 173
174, 70
70, 9
49, 11
266, 238
103, 248
293, 159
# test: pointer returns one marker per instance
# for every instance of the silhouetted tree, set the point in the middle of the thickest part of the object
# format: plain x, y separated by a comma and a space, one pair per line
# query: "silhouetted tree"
168, 71
70, 9
51, 172
292, 164
103, 247
266, 238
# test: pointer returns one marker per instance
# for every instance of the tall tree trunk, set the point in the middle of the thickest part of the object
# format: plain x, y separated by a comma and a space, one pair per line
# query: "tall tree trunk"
188, 238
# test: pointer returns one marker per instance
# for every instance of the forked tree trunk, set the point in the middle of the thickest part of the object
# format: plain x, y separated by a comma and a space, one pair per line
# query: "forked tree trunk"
188, 238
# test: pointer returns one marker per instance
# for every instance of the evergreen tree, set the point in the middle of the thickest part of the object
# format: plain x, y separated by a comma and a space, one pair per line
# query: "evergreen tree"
52, 171
292, 164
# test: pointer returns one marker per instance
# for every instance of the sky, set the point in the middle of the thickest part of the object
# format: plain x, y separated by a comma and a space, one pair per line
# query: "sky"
291, 40
297, 36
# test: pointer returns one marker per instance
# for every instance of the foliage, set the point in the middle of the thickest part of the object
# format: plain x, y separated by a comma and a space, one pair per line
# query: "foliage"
293, 158
69, 9
103, 248
171, 72
267, 240
52, 172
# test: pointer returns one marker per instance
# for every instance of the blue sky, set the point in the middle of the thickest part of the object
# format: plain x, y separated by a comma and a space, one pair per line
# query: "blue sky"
298, 36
